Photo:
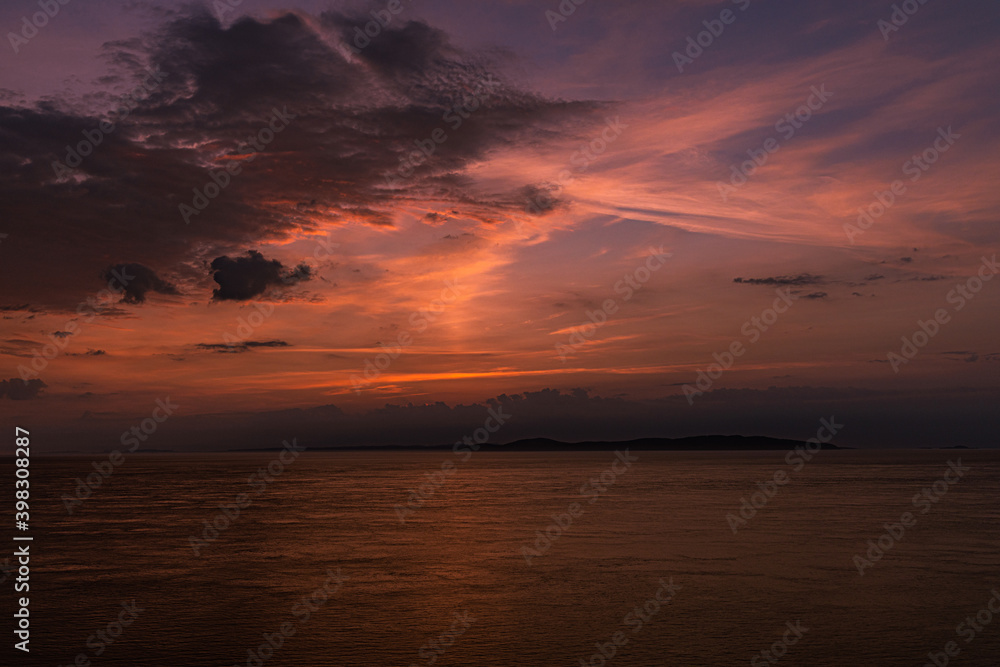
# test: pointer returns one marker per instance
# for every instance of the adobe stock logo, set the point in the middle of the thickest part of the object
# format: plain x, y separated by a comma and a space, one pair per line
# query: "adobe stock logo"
753, 329
706, 38
915, 168
382, 19
38, 20
581, 159
566, 9
958, 297
220, 180
94, 137
626, 288
786, 126
900, 16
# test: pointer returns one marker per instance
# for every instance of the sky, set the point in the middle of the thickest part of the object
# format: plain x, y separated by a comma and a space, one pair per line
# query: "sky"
629, 219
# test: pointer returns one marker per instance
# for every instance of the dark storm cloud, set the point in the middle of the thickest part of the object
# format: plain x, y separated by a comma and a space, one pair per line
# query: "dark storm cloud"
17, 389
415, 47
799, 280
135, 281
356, 116
243, 278
541, 199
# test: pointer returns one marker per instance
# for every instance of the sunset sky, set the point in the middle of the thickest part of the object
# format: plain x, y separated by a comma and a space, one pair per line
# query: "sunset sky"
326, 249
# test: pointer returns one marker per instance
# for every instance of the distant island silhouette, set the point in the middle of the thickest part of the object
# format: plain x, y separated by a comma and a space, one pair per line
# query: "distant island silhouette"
698, 443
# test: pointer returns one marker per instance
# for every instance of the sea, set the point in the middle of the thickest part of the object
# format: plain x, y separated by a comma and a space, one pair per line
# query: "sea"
860, 558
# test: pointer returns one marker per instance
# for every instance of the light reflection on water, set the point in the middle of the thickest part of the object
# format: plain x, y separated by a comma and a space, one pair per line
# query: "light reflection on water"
460, 553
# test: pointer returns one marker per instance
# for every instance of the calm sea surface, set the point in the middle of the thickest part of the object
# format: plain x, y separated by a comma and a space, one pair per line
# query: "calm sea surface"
454, 573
